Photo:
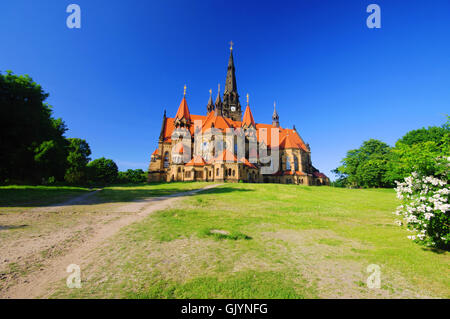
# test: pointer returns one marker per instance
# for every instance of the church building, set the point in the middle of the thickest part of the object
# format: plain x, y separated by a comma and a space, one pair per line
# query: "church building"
200, 148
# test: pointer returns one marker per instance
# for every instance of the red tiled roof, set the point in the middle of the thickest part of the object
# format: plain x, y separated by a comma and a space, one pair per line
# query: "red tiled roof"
284, 173
183, 110
155, 152
196, 161
248, 117
179, 148
288, 138
225, 156
320, 175
246, 162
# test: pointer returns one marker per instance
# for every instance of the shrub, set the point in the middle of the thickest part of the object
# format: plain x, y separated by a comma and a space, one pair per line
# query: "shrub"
102, 171
133, 176
425, 205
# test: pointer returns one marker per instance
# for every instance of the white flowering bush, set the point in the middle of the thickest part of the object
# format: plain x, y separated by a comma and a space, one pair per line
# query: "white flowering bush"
425, 206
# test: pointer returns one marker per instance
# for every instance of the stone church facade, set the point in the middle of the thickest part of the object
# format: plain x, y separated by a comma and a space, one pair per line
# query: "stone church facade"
223, 145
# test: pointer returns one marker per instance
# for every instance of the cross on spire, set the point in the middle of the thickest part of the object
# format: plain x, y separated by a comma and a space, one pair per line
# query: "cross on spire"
184, 93
231, 45
248, 96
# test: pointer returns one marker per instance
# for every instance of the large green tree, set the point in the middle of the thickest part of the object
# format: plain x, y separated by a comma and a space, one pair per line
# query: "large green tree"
417, 151
102, 171
436, 134
365, 166
77, 160
32, 145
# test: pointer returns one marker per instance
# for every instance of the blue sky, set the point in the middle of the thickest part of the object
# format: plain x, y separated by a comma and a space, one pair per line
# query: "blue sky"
339, 82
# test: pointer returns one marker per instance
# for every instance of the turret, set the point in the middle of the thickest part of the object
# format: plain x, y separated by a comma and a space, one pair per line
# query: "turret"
183, 116
275, 117
218, 104
210, 105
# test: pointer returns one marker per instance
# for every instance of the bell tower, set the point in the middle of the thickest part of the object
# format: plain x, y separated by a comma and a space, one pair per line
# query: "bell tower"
231, 104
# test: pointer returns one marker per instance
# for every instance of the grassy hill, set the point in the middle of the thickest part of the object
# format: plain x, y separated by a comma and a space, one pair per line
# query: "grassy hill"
266, 241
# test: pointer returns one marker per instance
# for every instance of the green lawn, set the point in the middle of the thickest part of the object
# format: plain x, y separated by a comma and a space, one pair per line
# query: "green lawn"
31, 196
125, 193
266, 241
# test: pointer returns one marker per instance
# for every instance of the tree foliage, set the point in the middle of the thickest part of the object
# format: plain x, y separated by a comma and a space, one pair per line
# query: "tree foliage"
365, 166
132, 176
77, 160
375, 164
33, 143
102, 171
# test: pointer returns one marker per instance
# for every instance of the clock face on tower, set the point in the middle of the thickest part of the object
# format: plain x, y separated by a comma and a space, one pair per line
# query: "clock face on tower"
233, 108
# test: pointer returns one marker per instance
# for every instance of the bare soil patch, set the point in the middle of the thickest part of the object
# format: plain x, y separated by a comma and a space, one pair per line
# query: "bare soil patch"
34, 257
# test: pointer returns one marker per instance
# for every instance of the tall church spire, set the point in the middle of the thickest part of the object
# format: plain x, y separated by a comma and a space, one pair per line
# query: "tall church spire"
231, 104
230, 84
275, 117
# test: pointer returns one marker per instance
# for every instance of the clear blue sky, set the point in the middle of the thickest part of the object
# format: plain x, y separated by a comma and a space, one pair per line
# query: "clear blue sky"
339, 82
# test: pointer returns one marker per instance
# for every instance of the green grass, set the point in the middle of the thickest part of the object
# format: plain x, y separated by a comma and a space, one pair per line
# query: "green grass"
34, 196
125, 193
31, 196
283, 241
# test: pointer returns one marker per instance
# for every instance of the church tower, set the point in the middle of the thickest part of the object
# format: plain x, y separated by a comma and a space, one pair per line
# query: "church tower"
231, 104
275, 117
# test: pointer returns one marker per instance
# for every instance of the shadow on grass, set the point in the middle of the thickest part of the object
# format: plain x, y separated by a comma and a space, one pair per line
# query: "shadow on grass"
435, 250
5, 227
37, 196
54, 196
119, 195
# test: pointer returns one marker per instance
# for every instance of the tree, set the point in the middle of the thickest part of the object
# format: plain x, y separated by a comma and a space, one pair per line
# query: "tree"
134, 176
431, 134
102, 171
33, 145
365, 166
405, 159
77, 160
417, 151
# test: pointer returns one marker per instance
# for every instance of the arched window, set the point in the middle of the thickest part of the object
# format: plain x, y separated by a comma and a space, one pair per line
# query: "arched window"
217, 172
229, 172
296, 163
234, 173
209, 173
179, 169
166, 159
288, 163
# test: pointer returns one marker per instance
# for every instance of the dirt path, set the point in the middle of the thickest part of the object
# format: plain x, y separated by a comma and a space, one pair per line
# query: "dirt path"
36, 283
82, 199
